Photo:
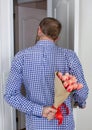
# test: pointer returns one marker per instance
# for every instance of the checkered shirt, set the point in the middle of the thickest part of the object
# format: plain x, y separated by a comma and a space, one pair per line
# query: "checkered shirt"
35, 68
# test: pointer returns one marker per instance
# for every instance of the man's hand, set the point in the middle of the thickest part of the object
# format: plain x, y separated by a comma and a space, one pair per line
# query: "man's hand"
49, 113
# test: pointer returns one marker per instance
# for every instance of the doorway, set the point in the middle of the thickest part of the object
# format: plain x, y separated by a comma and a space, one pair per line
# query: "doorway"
27, 16
6, 31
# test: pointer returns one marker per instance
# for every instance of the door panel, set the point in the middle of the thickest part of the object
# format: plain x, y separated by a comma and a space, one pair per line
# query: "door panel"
26, 23
63, 10
28, 20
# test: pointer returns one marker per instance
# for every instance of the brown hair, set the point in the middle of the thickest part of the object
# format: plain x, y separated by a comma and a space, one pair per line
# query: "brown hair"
51, 27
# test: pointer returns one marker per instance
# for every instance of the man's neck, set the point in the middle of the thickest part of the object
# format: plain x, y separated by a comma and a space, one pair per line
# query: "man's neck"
46, 38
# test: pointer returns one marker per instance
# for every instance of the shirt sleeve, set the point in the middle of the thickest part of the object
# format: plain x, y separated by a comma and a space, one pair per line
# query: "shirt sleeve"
13, 89
75, 68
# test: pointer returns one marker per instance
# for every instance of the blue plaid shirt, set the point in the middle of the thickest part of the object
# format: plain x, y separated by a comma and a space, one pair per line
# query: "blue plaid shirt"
35, 68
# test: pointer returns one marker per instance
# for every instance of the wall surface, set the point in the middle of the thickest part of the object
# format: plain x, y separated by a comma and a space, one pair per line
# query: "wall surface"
84, 117
6, 54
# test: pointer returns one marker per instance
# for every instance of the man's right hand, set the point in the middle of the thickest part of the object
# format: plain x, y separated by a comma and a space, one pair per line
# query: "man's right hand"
49, 112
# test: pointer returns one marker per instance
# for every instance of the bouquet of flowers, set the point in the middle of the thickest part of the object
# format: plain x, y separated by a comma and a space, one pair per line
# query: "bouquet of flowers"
64, 85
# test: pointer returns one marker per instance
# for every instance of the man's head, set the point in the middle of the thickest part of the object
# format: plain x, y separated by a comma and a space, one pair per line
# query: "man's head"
50, 27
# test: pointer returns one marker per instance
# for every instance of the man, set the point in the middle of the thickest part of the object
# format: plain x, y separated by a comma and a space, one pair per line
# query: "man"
35, 68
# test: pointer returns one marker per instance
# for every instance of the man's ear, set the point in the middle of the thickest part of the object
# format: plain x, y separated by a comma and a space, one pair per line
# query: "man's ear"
57, 39
39, 31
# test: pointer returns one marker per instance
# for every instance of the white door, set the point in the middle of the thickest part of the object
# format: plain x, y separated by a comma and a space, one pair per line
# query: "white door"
63, 10
27, 21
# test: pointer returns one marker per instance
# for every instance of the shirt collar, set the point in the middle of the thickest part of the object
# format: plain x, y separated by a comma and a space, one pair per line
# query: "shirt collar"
45, 43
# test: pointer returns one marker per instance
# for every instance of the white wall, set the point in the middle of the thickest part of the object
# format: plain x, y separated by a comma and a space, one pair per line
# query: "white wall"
6, 54
84, 117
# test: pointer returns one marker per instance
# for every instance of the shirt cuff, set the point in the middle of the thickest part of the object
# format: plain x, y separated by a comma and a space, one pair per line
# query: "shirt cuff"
82, 105
37, 110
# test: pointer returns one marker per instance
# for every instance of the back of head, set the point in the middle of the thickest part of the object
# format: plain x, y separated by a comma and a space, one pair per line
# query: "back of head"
51, 27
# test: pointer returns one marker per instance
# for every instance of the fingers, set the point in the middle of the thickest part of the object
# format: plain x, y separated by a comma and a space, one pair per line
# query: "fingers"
52, 110
49, 112
51, 116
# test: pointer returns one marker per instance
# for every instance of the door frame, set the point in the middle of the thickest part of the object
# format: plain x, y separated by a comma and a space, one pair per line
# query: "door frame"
49, 8
7, 113
76, 26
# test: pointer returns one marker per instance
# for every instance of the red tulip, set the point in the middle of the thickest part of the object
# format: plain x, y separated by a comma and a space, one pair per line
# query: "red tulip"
59, 74
64, 78
75, 86
65, 84
67, 76
70, 88
79, 86
69, 81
